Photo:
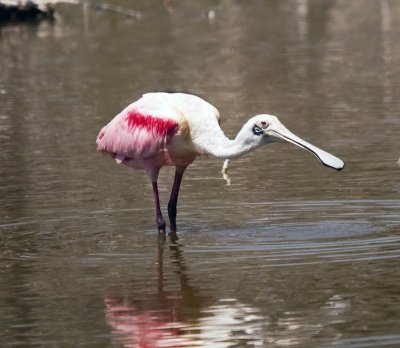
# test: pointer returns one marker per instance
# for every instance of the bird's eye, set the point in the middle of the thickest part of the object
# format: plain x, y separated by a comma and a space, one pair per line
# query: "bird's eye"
257, 130
264, 124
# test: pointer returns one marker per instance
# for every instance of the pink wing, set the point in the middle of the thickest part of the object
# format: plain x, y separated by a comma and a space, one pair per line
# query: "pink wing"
134, 135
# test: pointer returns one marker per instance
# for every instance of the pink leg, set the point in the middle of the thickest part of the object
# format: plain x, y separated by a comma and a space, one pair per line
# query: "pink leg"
173, 201
159, 218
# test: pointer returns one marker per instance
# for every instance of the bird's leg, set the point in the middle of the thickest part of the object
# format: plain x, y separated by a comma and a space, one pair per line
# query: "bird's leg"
173, 200
159, 218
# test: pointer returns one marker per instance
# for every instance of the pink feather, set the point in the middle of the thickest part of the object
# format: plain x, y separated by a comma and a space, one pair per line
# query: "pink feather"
133, 135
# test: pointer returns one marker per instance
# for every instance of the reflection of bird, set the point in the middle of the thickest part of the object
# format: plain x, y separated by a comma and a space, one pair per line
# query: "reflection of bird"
142, 317
173, 129
179, 315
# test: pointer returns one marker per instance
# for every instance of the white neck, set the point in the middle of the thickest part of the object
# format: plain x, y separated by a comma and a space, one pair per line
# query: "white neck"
218, 145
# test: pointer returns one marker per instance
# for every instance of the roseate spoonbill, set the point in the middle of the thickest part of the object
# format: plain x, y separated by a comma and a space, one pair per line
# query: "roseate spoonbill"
172, 129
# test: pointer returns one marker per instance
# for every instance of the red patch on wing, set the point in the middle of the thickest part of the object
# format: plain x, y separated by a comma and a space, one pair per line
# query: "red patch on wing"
159, 126
135, 135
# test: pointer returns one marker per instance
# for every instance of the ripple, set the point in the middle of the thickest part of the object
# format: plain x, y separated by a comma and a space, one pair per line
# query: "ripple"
371, 341
304, 244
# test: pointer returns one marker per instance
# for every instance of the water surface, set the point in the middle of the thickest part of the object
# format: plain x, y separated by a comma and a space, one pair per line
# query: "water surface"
291, 253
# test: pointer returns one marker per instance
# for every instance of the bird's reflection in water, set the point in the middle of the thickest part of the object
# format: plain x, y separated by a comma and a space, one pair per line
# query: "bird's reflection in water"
181, 316
152, 319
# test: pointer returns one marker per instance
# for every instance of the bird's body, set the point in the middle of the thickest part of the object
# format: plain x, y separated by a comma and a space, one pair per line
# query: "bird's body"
160, 129
172, 129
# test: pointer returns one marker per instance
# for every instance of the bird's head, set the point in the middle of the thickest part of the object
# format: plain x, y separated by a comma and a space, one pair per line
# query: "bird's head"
267, 129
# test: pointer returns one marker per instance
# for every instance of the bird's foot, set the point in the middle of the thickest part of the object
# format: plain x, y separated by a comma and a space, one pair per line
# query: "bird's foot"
173, 236
161, 225
224, 172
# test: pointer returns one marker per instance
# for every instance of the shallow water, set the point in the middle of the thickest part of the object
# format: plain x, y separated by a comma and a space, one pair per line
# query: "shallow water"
290, 253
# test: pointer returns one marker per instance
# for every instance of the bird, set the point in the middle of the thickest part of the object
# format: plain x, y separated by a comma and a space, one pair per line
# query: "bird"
174, 128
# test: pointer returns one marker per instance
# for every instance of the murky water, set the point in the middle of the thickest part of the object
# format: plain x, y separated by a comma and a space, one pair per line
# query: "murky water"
290, 254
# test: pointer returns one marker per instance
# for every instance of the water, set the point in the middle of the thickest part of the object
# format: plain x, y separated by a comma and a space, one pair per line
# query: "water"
289, 254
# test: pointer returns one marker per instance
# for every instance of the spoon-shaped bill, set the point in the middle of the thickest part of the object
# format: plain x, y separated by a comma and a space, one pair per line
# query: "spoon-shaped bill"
325, 158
